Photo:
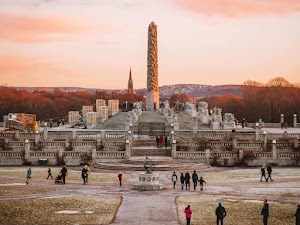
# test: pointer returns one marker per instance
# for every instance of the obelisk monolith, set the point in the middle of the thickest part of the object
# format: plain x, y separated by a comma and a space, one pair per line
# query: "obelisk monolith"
152, 100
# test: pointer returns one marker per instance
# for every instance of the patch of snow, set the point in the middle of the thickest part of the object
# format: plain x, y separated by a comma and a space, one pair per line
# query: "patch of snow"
67, 212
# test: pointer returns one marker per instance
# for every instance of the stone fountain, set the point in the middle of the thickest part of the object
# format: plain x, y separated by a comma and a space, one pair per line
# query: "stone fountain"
148, 181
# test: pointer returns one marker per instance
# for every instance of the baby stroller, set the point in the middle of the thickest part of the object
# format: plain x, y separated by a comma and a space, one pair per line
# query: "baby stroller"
58, 179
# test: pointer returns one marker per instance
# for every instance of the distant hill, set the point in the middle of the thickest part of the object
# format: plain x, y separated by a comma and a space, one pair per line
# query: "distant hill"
194, 90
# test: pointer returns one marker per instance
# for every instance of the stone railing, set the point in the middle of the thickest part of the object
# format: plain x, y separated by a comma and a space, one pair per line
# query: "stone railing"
52, 144
110, 155
249, 145
190, 155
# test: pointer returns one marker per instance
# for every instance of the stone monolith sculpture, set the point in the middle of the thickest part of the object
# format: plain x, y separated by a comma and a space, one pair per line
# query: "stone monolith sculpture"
152, 98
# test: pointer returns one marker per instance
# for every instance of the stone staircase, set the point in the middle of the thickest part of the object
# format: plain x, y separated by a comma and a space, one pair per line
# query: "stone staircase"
161, 164
116, 122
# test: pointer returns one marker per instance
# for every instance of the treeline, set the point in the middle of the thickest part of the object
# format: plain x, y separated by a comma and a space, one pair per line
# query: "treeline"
54, 104
262, 101
259, 101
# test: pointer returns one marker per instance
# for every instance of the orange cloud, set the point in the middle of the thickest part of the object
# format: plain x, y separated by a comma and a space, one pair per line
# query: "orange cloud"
36, 28
9, 64
240, 8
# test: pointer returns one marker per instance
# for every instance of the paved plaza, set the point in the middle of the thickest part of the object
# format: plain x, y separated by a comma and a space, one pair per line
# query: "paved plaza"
103, 201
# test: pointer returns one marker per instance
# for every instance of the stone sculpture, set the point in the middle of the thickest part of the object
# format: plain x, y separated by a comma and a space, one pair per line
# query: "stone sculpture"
148, 165
152, 100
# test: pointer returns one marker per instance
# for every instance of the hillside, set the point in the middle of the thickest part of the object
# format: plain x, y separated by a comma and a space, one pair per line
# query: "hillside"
194, 90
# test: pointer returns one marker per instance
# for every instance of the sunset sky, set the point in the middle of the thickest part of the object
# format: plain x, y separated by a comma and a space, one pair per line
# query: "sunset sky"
93, 43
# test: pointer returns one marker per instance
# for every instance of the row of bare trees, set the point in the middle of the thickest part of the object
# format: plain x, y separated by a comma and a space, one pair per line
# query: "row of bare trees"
259, 101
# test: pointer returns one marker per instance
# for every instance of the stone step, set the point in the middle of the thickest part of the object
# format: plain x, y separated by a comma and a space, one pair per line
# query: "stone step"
150, 151
164, 167
157, 160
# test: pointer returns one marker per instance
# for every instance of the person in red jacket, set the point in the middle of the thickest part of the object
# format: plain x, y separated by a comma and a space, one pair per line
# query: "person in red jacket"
188, 214
120, 178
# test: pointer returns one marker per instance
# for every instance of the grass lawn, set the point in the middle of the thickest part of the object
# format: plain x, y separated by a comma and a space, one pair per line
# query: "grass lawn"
99, 209
239, 212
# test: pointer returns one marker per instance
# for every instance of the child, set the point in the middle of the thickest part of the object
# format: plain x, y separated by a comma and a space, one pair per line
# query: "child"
201, 181
120, 178
49, 174
28, 176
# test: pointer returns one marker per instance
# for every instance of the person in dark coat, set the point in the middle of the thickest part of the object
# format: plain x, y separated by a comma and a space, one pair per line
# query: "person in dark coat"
220, 213
195, 179
187, 178
265, 212
269, 169
157, 141
297, 214
263, 173
63, 173
166, 141
182, 179
84, 175
49, 174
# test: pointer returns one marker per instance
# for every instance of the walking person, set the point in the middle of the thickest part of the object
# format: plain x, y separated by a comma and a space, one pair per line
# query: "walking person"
157, 141
49, 174
84, 175
64, 173
263, 173
265, 212
188, 214
201, 182
161, 141
166, 141
28, 175
174, 179
220, 213
182, 181
195, 179
88, 171
120, 176
297, 214
269, 169
187, 178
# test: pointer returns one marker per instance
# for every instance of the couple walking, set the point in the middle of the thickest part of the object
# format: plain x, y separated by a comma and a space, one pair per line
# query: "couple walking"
263, 173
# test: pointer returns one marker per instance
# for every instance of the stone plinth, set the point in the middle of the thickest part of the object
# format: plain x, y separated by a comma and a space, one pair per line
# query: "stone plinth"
100, 103
85, 110
73, 117
91, 118
148, 182
113, 107
152, 101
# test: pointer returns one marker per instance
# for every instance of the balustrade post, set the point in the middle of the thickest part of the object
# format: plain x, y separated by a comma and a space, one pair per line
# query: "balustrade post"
130, 136
60, 155
282, 118
94, 155
285, 135
102, 134
295, 120
296, 143
274, 153
27, 150
36, 137
74, 134
172, 136
174, 149
45, 132
127, 149
241, 154
67, 143
234, 143
17, 134
256, 131
265, 139
207, 156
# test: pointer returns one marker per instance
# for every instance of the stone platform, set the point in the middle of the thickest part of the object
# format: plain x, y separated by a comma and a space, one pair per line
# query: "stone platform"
148, 182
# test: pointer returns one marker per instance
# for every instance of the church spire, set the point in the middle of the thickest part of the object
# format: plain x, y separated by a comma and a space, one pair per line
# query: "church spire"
130, 83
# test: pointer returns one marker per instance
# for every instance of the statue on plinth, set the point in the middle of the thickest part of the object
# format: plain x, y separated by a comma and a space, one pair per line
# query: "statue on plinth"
148, 165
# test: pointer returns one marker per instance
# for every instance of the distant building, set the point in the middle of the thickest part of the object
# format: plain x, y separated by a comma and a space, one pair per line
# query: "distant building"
130, 83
